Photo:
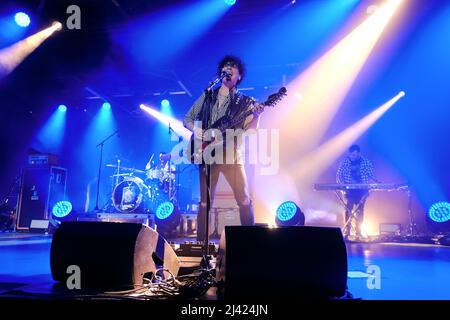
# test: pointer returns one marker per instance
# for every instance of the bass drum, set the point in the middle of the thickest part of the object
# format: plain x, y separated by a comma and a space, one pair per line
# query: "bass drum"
130, 195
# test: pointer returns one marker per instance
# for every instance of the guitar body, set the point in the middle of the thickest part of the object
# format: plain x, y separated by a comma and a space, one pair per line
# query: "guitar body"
196, 149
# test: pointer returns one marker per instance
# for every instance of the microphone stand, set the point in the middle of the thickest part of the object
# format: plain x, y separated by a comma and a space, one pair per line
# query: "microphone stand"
101, 144
170, 166
205, 263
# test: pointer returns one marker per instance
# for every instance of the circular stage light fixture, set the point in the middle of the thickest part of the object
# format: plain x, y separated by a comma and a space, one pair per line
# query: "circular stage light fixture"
439, 212
167, 219
165, 103
289, 214
106, 105
62, 108
62, 209
22, 19
164, 210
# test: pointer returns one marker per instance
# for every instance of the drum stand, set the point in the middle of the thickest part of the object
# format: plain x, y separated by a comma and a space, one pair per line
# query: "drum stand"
115, 179
412, 226
215, 234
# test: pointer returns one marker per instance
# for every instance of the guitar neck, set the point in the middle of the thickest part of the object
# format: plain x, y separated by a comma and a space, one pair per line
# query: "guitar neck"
273, 99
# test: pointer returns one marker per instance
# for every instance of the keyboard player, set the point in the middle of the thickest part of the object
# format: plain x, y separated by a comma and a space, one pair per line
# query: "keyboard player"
355, 168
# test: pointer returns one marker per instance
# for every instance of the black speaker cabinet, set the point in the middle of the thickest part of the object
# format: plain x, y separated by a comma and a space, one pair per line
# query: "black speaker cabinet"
282, 263
41, 188
109, 255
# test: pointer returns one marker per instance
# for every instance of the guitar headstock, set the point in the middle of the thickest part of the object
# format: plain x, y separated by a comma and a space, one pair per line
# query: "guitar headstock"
273, 99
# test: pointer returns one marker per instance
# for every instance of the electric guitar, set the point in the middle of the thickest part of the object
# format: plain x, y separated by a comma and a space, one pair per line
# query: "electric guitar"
198, 146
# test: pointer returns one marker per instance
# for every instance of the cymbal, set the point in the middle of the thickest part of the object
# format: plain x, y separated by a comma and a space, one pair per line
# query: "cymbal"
162, 170
121, 175
125, 168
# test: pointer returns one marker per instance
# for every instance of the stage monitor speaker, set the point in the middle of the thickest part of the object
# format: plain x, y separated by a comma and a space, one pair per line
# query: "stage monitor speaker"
258, 262
41, 188
109, 255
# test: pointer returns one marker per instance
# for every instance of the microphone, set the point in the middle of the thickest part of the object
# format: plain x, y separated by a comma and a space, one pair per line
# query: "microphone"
225, 74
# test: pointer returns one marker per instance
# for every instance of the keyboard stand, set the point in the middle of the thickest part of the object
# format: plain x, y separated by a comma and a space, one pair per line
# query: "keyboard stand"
340, 196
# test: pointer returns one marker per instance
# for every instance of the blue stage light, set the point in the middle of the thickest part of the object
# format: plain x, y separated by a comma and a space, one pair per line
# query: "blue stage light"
166, 108
106, 105
286, 211
22, 19
439, 212
167, 219
51, 134
165, 103
289, 214
230, 2
164, 210
62, 209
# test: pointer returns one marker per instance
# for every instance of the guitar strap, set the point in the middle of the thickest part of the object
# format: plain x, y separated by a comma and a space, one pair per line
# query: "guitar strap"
234, 107
239, 103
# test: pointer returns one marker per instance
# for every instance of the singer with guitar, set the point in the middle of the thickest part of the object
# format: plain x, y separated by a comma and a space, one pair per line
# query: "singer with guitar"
213, 105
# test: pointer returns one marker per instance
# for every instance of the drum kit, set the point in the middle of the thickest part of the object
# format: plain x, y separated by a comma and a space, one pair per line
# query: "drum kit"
142, 191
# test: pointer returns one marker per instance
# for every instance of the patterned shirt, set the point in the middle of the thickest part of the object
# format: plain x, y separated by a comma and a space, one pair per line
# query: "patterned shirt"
360, 171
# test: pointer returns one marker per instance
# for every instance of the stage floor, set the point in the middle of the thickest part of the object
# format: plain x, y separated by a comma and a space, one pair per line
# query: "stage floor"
407, 271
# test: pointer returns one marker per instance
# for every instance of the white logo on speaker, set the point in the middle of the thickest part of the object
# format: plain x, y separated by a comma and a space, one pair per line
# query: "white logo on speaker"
374, 279
74, 278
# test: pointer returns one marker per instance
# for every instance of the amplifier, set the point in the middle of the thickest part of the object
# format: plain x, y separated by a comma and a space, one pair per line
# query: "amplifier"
147, 219
390, 228
221, 217
194, 250
42, 159
41, 188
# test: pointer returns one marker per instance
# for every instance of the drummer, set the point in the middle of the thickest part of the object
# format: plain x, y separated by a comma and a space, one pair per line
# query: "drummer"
164, 159
161, 171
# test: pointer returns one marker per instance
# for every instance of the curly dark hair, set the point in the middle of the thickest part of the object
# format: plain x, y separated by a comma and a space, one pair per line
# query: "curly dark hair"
235, 61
